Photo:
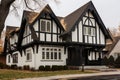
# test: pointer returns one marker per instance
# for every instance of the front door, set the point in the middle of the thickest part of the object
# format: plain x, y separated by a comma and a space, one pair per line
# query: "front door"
74, 56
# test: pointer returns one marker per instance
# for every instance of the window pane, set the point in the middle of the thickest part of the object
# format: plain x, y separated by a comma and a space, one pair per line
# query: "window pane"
43, 55
9, 59
85, 30
55, 55
48, 26
15, 58
89, 30
51, 55
28, 56
92, 31
47, 55
43, 28
59, 55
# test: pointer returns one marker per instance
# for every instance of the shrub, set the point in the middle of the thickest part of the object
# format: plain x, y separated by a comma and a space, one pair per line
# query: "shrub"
20, 68
111, 61
65, 67
1, 65
26, 67
32, 69
47, 68
41, 68
54, 68
105, 61
117, 62
14, 67
59, 67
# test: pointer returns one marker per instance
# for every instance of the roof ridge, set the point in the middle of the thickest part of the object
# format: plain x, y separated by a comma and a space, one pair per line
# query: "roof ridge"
79, 8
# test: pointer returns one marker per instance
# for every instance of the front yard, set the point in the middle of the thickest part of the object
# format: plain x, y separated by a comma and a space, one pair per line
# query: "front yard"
6, 74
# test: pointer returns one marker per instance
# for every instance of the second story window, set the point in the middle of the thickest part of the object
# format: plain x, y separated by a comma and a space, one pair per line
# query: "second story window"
45, 25
89, 31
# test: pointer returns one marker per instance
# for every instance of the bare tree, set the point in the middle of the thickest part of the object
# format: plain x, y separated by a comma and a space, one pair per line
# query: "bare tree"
5, 8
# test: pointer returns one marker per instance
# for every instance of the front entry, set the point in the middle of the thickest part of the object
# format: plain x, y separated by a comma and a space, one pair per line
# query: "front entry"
74, 56
79, 55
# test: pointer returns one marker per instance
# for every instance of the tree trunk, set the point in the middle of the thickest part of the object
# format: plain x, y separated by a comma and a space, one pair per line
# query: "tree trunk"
4, 11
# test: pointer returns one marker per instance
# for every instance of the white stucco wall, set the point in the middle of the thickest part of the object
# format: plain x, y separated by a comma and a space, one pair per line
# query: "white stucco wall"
37, 58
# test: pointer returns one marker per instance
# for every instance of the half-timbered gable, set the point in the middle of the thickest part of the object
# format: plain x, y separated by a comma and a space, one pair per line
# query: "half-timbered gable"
85, 26
47, 26
27, 36
87, 35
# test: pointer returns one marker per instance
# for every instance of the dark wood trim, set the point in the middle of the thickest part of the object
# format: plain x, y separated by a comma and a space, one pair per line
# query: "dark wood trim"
57, 32
83, 32
39, 29
96, 33
99, 36
77, 33
45, 37
51, 30
37, 47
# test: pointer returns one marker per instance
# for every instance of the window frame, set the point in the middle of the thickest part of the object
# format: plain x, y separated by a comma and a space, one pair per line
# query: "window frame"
46, 25
90, 31
28, 55
15, 58
51, 53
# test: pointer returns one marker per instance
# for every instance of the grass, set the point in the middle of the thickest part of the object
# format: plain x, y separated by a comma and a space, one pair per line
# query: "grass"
6, 74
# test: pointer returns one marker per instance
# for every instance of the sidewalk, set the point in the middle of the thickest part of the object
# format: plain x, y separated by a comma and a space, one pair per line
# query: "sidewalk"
73, 76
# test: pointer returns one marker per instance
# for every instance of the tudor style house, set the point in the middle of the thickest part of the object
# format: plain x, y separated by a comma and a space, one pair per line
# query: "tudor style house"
45, 39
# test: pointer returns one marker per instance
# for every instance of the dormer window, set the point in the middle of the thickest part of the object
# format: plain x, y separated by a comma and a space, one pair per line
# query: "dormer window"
45, 25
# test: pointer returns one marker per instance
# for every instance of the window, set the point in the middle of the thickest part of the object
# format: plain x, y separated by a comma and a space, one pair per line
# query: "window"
45, 25
9, 59
15, 58
28, 55
50, 53
89, 31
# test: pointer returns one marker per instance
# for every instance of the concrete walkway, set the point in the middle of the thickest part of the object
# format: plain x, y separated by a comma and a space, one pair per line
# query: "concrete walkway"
74, 76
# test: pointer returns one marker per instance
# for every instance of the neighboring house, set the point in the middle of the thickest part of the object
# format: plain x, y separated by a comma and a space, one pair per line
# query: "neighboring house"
4, 33
115, 48
44, 39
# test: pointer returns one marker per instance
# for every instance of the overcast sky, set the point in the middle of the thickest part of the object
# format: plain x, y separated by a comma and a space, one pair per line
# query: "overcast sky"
109, 10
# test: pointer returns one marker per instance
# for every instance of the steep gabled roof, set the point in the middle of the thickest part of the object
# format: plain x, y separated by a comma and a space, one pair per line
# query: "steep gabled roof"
9, 29
72, 19
111, 47
30, 16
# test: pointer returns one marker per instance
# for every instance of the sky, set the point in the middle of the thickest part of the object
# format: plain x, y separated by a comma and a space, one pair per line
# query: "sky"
109, 11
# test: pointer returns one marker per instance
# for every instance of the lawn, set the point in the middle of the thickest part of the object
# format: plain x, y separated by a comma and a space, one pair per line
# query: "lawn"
16, 74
